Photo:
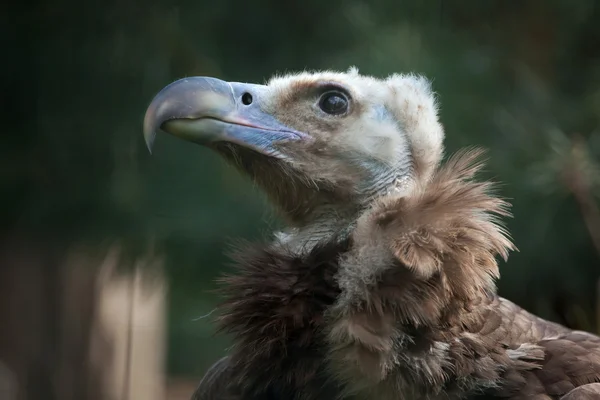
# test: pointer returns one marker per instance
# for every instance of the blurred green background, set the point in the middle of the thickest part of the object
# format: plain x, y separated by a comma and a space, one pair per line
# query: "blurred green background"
519, 78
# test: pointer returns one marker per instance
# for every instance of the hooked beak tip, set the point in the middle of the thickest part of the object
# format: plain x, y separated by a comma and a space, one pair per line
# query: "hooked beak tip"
185, 99
149, 137
150, 126
149, 145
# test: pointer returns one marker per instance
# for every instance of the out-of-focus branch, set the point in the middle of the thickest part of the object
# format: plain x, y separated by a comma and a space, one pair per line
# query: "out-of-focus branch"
576, 181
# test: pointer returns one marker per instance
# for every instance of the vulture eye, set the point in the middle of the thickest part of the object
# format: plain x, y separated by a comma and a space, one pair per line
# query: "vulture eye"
247, 99
334, 103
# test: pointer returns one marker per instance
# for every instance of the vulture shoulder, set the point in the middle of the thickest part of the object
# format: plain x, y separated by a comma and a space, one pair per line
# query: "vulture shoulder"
418, 312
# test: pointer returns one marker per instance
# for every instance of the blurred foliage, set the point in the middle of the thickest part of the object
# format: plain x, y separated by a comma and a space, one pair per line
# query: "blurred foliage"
519, 78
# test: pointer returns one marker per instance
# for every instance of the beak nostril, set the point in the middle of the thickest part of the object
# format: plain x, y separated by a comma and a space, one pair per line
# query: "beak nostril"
247, 99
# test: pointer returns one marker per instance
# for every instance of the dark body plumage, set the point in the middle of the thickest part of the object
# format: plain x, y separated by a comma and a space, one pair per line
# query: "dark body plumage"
457, 338
275, 308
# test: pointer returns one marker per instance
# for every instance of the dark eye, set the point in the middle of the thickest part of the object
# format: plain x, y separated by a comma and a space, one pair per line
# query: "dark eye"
334, 103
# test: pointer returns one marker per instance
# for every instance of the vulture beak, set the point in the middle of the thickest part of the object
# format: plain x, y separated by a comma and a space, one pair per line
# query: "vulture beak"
207, 110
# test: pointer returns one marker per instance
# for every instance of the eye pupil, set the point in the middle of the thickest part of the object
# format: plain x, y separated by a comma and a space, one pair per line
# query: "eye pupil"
247, 99
334, 103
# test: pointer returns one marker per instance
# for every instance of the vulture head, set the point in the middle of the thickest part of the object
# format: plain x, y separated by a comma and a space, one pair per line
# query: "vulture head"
405, 304
321, 145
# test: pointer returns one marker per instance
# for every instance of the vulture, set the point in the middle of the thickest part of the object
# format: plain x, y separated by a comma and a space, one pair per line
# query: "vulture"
382, 284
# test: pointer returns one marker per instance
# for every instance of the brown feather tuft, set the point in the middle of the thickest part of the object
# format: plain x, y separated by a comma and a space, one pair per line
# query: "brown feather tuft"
417, 286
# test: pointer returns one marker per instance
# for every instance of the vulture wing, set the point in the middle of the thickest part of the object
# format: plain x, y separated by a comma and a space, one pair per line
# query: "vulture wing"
570, 370
590, 391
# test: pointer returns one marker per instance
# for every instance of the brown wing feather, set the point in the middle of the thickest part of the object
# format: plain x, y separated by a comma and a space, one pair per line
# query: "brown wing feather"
571, 361
590, 391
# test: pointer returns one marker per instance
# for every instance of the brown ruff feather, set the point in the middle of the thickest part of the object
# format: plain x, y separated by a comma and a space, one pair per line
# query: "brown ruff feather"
422, 271
406, 308
418, 316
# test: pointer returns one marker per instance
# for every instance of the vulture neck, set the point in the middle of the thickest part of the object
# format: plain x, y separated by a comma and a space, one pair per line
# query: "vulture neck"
334, 222
328, 223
